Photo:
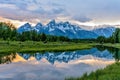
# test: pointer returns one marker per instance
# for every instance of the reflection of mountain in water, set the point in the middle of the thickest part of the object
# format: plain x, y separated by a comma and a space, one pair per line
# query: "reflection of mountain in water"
68, 56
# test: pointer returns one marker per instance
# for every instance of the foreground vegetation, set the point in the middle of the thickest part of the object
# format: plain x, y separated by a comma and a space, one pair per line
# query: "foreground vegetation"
9, 33
12, 40
111, 72
31, 46
116, 45
31, 41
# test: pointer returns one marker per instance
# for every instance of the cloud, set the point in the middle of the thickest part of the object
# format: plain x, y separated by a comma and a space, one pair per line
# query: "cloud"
9, 6
31, 9
82, 18
82, 11
17, 23
58, 10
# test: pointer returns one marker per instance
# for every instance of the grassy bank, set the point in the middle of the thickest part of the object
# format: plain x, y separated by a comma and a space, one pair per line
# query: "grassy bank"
29, 46
116, 45
111, 72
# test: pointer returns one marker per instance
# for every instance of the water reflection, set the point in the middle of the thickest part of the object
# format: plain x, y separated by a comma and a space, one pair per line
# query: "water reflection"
7, 58
114, 51
52, 57
55, 65
65, 57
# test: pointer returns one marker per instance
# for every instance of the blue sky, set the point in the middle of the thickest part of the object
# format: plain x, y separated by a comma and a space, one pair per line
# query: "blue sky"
86, 12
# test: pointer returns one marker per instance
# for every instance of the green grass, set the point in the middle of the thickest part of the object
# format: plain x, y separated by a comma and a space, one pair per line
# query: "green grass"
30, 46
116, 45
111, 72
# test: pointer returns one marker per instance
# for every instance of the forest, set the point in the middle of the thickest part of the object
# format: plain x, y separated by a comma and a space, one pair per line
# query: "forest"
8, 32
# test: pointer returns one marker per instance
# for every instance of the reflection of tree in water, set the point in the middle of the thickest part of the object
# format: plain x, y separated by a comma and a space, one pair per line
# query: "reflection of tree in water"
64, 56
114, 51
102, 48
117, 54
67, 56
7, 58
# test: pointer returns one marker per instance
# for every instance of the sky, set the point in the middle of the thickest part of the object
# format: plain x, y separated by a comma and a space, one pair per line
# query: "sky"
81, 12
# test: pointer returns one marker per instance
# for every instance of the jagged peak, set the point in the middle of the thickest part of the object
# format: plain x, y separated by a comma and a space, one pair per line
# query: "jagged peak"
52, 22
26, 25
68, 29
39, 24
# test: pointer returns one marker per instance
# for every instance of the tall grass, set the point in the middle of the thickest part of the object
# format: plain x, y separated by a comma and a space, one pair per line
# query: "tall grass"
111, 72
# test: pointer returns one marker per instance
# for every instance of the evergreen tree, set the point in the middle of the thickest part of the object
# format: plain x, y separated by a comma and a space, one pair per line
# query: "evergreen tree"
9, 32
43, 37
117, 35
101, 39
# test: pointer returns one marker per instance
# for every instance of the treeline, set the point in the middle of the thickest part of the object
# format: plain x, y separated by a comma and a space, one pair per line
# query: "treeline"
102, 39
115, 38
9, 32
34, 36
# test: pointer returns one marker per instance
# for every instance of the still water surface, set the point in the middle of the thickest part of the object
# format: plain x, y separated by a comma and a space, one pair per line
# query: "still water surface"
55, 65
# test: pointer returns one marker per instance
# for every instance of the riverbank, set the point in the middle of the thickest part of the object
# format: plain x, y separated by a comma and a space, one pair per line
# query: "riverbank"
111, 72
30, 46
116, 45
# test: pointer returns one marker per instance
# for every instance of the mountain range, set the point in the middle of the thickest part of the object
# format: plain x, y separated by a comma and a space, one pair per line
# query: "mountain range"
68, 30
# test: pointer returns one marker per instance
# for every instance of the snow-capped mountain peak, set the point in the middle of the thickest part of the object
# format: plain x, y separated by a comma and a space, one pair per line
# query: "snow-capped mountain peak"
39, 25
68, 30
25, 27
107, 31
51, 23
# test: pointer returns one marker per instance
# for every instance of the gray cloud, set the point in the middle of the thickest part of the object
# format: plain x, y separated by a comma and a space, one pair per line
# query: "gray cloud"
82, 18
58, 10
93, 10
32, 9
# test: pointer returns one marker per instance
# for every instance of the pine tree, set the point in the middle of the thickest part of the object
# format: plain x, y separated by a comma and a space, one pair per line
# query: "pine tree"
43, 37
